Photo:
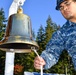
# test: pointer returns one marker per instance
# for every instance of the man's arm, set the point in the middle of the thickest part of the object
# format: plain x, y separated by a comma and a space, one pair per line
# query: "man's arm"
53, 50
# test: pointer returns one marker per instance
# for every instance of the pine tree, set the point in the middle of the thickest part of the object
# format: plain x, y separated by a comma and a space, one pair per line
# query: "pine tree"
41, 38
2, 32
2, 23
48, 30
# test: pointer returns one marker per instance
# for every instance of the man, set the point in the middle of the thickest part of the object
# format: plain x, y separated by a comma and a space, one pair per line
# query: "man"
64, 38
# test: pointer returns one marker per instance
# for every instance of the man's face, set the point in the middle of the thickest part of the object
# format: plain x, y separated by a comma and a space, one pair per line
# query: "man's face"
68, 9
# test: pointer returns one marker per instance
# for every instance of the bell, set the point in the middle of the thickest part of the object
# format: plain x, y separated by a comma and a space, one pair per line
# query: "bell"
18, 35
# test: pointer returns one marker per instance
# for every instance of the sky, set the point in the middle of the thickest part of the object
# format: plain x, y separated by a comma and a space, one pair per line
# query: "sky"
38, 11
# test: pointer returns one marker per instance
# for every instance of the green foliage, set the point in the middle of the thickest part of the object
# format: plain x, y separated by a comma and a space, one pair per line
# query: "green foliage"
26, 60
41, 38
2, 23
48, 30
2, 32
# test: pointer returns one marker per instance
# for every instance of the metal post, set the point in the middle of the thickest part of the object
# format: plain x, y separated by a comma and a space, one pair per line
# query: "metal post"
9, 63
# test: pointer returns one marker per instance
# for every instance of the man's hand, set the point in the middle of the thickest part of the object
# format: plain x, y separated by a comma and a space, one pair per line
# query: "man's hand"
38, 62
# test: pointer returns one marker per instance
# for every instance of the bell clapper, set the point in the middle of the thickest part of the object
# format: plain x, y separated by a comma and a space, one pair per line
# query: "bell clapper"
33, 49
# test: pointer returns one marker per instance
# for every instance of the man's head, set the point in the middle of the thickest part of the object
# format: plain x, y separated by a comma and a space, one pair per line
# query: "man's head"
67, 9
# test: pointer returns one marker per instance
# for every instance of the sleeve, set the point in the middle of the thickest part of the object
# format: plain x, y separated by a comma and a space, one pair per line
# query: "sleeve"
53, 50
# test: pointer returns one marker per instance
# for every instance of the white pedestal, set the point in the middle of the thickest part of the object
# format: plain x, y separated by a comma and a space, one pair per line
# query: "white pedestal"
9, 63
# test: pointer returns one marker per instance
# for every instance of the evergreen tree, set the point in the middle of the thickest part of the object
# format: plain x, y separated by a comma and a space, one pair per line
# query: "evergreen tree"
26, 60
2, 32
41, 38
48, 30
2, 23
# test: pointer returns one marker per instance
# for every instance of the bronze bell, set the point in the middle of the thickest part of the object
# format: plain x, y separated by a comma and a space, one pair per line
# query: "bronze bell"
18, 35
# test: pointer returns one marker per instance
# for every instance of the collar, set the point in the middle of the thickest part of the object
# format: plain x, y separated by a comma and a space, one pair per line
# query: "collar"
69, 23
